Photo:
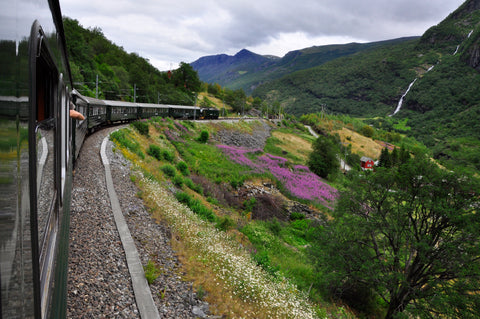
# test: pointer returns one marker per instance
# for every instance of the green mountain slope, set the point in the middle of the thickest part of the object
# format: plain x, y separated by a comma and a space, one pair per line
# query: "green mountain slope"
246, 70
443, 106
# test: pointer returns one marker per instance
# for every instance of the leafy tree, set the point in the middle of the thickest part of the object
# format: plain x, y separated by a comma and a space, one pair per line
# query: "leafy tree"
185, 76
323, 160
367, 131
409, 236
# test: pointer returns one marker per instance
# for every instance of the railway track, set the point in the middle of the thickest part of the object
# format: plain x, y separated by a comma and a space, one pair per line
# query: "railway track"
100, 274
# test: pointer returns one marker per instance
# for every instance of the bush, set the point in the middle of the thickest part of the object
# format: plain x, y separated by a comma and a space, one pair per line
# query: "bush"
183, 168
190, 184
225, 223
263, 260
151, 272
168, 156
197, 207
141, 127
154, 151
169, 170
121, 137
203, 138
178, 181
296, 216
367, 131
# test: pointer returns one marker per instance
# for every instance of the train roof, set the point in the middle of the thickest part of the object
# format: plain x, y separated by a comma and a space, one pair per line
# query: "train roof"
88, 100
91, 100
183, 107
152, 105
120, 103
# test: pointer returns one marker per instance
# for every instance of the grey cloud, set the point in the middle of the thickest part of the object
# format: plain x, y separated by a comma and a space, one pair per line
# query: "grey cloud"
185, 30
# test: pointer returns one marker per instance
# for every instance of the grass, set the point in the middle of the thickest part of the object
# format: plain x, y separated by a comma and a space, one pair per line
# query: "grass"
360, 144
262, 271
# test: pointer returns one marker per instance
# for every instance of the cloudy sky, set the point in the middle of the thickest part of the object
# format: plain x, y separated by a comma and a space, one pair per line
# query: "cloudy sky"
170, 32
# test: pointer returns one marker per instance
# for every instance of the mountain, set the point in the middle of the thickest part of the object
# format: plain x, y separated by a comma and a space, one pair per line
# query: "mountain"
225, 69
443, 106
246, 70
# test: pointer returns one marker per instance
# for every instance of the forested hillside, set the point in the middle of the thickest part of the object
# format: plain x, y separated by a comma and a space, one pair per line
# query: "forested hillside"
119, 72
443, 107
246, 70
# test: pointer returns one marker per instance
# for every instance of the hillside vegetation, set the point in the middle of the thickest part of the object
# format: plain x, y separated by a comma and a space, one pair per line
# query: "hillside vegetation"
119, 73
246, 70
253, 225
442, 109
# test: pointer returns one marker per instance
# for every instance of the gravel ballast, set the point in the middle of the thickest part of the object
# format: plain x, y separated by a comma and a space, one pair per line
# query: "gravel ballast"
99, 284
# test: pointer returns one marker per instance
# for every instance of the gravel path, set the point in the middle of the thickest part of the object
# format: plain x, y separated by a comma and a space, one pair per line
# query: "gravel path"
99, 284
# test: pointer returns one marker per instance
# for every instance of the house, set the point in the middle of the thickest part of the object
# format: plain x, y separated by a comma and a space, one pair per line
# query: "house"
366, 163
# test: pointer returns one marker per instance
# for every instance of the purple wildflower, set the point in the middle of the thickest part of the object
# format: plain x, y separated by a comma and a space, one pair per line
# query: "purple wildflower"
299, 181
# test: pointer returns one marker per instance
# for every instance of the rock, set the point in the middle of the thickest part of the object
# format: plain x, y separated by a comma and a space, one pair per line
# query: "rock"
197, 311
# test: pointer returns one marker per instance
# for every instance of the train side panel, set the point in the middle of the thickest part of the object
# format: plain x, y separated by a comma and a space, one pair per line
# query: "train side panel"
35, 160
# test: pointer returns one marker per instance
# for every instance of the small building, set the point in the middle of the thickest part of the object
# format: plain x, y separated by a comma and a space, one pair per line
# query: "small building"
366, 163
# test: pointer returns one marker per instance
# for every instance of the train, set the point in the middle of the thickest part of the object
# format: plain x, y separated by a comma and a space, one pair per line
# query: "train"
99, 113
38, 145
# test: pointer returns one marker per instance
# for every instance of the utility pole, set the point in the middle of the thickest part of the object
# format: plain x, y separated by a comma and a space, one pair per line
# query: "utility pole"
195, 106
96, 88
134, 93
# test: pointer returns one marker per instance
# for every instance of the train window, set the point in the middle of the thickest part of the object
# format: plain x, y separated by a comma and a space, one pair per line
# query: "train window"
45, 112
64, 106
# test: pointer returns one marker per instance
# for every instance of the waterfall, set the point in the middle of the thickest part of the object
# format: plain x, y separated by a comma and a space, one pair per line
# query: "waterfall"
458, 46
399, 106
456, 50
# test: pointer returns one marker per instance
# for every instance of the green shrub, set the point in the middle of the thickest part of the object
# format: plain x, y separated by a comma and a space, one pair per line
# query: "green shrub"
296, 216
225, 223
367, 131
169, 170
121, 138
154, 151
275, 226
203, 138
142, 127
151, 272
194, 187
183, 168
250, 204
184, 198
178, 181
197, 207
263, 260
168, 155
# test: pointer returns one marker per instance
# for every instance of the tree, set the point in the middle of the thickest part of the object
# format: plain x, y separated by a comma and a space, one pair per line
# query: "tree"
408, 235
385, 160
323, 159
367, 131
185, 76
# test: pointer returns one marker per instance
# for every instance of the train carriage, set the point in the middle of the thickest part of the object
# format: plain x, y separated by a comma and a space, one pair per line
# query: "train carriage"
95, 112
147, 110
184, 112
121, 111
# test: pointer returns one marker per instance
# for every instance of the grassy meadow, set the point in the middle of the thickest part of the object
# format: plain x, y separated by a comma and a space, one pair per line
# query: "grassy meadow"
247, 255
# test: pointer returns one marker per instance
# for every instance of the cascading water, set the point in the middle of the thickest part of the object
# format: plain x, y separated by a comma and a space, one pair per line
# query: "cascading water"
458, 46
456, 50
399, 105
